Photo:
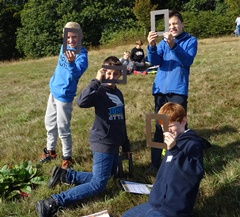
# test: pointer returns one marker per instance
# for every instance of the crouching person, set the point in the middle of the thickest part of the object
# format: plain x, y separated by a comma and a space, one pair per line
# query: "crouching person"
108, 133
177, 183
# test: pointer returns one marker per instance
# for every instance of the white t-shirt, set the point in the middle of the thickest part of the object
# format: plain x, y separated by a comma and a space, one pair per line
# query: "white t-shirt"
238, 21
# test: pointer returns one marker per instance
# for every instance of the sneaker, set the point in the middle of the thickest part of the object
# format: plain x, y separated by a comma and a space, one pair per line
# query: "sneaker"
67, 163
135, 72
46, 208
144, 73
58, 176
47, 156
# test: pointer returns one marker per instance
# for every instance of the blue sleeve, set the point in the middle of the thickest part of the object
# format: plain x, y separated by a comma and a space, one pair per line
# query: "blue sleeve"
185, 55
155, 54
80, 65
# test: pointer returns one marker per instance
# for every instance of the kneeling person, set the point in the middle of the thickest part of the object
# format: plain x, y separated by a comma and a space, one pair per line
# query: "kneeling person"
108, 133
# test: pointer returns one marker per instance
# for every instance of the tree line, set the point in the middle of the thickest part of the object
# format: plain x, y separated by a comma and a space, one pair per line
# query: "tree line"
33, 28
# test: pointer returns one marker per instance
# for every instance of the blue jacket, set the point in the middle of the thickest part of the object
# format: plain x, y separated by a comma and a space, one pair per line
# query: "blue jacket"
63, 83
174, 64
176, 186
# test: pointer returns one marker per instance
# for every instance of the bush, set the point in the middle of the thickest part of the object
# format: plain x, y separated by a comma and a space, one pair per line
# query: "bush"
121, 37
207, 24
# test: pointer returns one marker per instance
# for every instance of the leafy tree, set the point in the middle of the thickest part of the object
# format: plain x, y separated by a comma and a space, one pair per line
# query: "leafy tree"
200, 5
233, 6
9, 21
142, 9
37, 37
43, 22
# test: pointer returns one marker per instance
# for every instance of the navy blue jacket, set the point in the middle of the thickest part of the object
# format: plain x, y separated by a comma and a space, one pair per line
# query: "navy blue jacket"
109, 128
176, 186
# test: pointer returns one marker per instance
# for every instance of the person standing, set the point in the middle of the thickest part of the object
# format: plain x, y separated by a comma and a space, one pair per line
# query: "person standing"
63, 87
237, 33
174, 55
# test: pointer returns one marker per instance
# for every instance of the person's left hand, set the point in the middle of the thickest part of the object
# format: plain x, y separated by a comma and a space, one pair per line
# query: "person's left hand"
168, 37
70, 55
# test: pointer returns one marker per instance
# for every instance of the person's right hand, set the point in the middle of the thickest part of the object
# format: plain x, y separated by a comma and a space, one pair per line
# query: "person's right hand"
151, 38
169, 140
101, 74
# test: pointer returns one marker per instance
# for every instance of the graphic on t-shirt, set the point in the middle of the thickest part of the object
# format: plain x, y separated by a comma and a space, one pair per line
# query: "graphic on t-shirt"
116, 112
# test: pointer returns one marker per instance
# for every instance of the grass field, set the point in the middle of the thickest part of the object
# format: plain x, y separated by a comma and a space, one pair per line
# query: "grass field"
213, 112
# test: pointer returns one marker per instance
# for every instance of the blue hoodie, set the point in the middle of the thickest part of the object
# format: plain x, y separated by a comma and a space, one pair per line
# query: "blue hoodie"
63, 83
174, 64
176, 186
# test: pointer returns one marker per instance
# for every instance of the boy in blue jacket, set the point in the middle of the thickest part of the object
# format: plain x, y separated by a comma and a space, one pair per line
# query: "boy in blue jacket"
108, 133
177, 183
174, 55
63, 87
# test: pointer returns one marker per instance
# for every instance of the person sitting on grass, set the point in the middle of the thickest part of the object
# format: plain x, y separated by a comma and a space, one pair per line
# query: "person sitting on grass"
137, 57
125, 60
177, 183
108, 133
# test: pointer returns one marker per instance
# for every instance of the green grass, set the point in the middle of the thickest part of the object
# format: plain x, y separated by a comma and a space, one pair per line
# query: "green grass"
213, 112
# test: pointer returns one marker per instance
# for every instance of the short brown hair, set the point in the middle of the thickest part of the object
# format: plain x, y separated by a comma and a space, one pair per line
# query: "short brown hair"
112, 61
177, 14
174, 111
139, 42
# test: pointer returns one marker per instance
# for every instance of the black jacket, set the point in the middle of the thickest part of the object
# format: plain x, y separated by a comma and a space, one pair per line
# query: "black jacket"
109, 128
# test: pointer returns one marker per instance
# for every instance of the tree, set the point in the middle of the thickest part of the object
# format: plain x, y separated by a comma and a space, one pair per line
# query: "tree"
38, 36
43, 21
9, 21
204, 5
233, 6
141, 10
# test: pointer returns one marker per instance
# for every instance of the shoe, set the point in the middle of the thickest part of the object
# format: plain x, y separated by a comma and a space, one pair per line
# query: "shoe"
144, 73
58, 176
46, 208
47, 156
135, 72
67, 162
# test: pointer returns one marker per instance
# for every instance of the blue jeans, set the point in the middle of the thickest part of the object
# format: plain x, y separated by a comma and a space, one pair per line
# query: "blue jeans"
238, 30
89, 183
143, 210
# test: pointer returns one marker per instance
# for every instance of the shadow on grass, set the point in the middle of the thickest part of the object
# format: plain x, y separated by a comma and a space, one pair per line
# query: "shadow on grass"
217, 157
207, 133
229, 195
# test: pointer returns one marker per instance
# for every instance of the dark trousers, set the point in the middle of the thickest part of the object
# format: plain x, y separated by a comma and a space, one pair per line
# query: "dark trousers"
160, 100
